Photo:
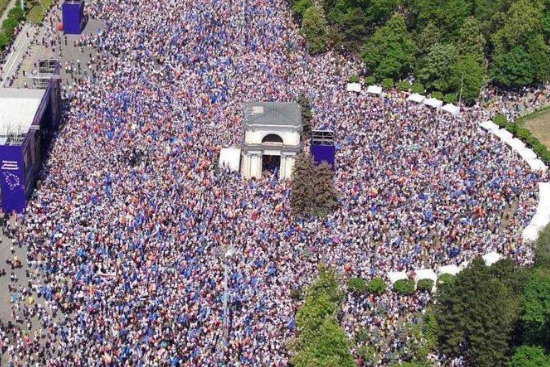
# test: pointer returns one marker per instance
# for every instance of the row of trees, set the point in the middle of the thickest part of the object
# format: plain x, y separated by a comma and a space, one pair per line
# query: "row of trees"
313, 192
320, 342
498, 315
7, 32
448, 45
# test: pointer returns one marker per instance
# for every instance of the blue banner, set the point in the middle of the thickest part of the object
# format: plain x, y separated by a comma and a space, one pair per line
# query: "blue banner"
12, 179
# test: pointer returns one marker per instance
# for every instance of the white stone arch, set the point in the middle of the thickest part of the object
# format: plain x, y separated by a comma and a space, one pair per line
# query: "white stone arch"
274, 138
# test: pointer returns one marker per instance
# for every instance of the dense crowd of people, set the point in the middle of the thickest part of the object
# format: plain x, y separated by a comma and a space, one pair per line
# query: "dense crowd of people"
126, 236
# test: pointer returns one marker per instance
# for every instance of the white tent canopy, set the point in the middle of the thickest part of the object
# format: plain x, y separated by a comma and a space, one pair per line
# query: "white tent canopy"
516, 144
415, 97
374, 89
451, 108
489, 126
433, 102
464, 265
449, 269
527, 154
504, 135
396, 275
231, 158
353, 87
544, 195
425, 274
536, 165
530, 233
491, 258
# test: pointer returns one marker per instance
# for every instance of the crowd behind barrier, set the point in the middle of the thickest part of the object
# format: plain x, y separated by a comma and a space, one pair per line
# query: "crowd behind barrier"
125, 234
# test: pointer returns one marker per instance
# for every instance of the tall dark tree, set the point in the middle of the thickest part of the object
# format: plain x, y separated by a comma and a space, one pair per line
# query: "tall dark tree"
302, 194
535, 304
389, 53
307, 116
477, 314
326, 196
315, 29
513, 68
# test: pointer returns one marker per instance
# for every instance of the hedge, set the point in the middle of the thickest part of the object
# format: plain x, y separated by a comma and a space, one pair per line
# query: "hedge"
437, 95
445, 278
377, 286
417, 87
425, 285
369, 80
500, 120
404, 287
357, 285
449, 98
403, 86
15, 16
353, 79
524, 135
387, 83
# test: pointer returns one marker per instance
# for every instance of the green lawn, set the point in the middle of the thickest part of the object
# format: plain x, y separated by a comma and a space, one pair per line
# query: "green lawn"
539, 124
3, 6
37, 9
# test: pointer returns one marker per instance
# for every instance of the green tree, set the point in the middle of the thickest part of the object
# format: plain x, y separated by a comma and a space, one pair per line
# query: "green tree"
513, 68
325, 195
389, 53
437, 68
523, 20
319, 340
477, 313
470, 40
527, 356
357, 285
377, 286
542, 248
446, 15
535, 305
538, 54
427, 37
468, 76
302, 192
307, 116
315, 29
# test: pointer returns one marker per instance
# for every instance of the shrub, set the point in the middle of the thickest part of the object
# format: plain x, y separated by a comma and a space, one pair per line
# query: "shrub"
387, 83
377, 286
4, 40
511, 127
357, 285
9, 25
404, 286
445, 278
425, 285
531, 141
16, 13
361, 336
353, 79
546, 158
449, 98
540, 149
403, 86
500, 120
417, 87
370, 80
523, 133
437, 95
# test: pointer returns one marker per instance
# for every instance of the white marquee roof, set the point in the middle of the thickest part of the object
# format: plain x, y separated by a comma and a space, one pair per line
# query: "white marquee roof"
449, 269
231, 158
396, 275
489, 126
451, 108
18, 108
433, 102
415, 97
374, 89
353, 87
491, 258
425, 274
